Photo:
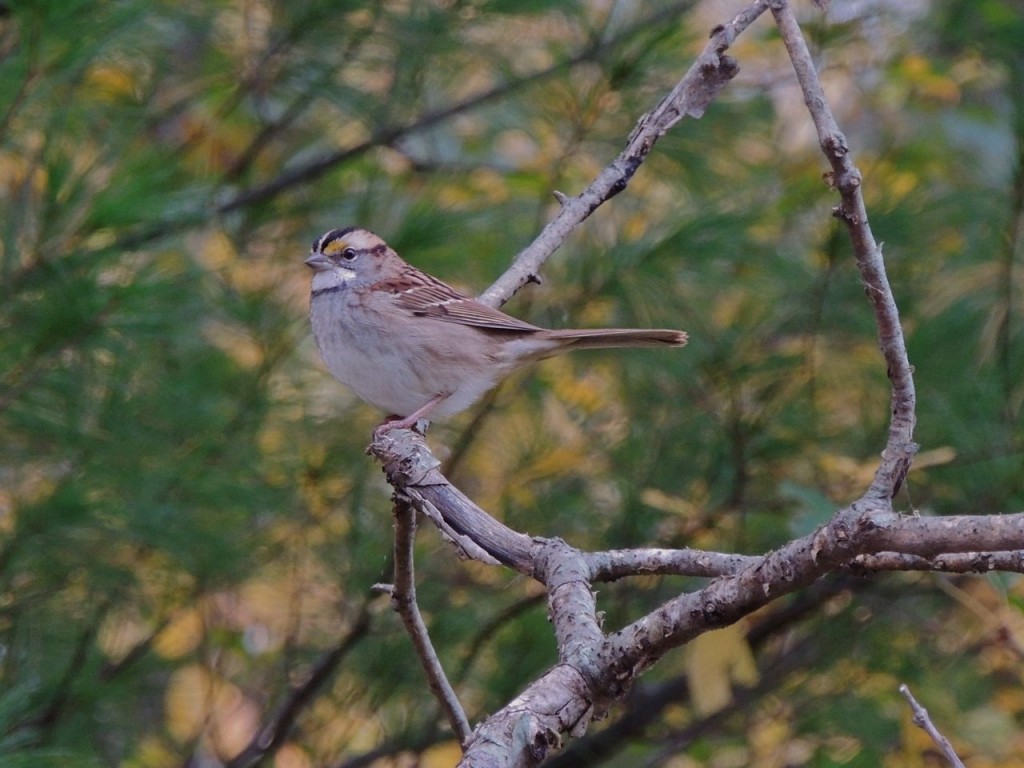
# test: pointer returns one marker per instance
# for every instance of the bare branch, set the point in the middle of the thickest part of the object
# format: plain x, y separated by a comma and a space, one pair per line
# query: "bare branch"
934, 536
922, 720
852, 533
412, 469
618, 563
689, 98
846, 178
403, 598
865, 535
530, 725
961, 562
594, 669
564, 571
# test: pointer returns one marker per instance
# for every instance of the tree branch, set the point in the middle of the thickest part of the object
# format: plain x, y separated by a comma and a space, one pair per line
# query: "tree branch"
412, 469
689, 98
593, 669
403, 599
846, 178
618, 563
960, 562
923, 721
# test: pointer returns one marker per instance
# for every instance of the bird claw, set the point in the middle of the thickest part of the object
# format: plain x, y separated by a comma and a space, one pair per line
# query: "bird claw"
397, 422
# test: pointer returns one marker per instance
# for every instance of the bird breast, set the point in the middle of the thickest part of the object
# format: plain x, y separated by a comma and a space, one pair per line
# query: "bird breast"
400, 363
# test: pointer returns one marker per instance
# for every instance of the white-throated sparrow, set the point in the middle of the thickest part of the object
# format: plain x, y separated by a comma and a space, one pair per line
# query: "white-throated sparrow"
415, 347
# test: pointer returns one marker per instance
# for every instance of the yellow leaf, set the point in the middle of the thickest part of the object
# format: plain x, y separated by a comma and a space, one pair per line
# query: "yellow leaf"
291, 756
930, 84
180, 636
153, 753
196, 701
121, 632
665, 502
234, 341
215, 251
714, 661
441, 756
110, 83
187, 701
727, 309
935, 457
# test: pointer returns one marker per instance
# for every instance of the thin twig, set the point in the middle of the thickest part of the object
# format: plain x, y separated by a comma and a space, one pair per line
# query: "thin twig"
403, 598
1011, 561
711, 71
922, 720
846, 178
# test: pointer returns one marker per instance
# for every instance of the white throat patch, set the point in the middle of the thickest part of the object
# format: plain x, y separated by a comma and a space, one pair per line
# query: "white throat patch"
336, 277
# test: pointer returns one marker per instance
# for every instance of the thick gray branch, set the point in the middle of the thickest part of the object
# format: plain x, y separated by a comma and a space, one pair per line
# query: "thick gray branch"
618, 563
595, 668
412, 469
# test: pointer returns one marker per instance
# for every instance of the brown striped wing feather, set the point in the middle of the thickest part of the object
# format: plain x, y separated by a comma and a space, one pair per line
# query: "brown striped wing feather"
426, 297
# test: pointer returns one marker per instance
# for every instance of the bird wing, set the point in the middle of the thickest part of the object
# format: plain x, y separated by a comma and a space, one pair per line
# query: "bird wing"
426, 297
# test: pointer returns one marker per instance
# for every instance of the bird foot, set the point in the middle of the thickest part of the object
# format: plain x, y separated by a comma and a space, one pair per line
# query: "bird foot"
413, 422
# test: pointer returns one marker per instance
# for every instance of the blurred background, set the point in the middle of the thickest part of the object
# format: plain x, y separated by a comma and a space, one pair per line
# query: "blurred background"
189, 528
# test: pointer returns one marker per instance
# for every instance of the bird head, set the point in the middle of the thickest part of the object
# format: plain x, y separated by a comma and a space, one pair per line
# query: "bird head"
344, 256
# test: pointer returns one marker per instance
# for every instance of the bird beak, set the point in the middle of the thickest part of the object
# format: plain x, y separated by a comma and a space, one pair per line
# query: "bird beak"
318, 262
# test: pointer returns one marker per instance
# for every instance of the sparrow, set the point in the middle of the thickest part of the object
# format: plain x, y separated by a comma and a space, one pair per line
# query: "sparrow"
415, 347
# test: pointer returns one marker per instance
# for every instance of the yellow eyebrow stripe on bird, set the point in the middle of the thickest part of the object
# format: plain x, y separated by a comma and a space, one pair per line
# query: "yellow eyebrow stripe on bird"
335, 246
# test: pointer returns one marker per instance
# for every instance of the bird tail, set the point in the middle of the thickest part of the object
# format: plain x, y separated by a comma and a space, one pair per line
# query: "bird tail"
603, 338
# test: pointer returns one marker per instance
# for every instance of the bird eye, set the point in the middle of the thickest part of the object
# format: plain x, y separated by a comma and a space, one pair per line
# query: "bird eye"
348, 254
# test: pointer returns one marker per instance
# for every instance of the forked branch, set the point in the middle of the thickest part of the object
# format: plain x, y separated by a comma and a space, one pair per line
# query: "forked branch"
595, 668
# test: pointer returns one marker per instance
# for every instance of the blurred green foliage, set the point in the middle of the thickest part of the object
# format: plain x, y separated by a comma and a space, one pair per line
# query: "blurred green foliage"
188, 525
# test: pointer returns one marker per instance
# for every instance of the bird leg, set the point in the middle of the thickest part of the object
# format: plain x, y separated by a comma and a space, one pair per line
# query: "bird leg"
408, 422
